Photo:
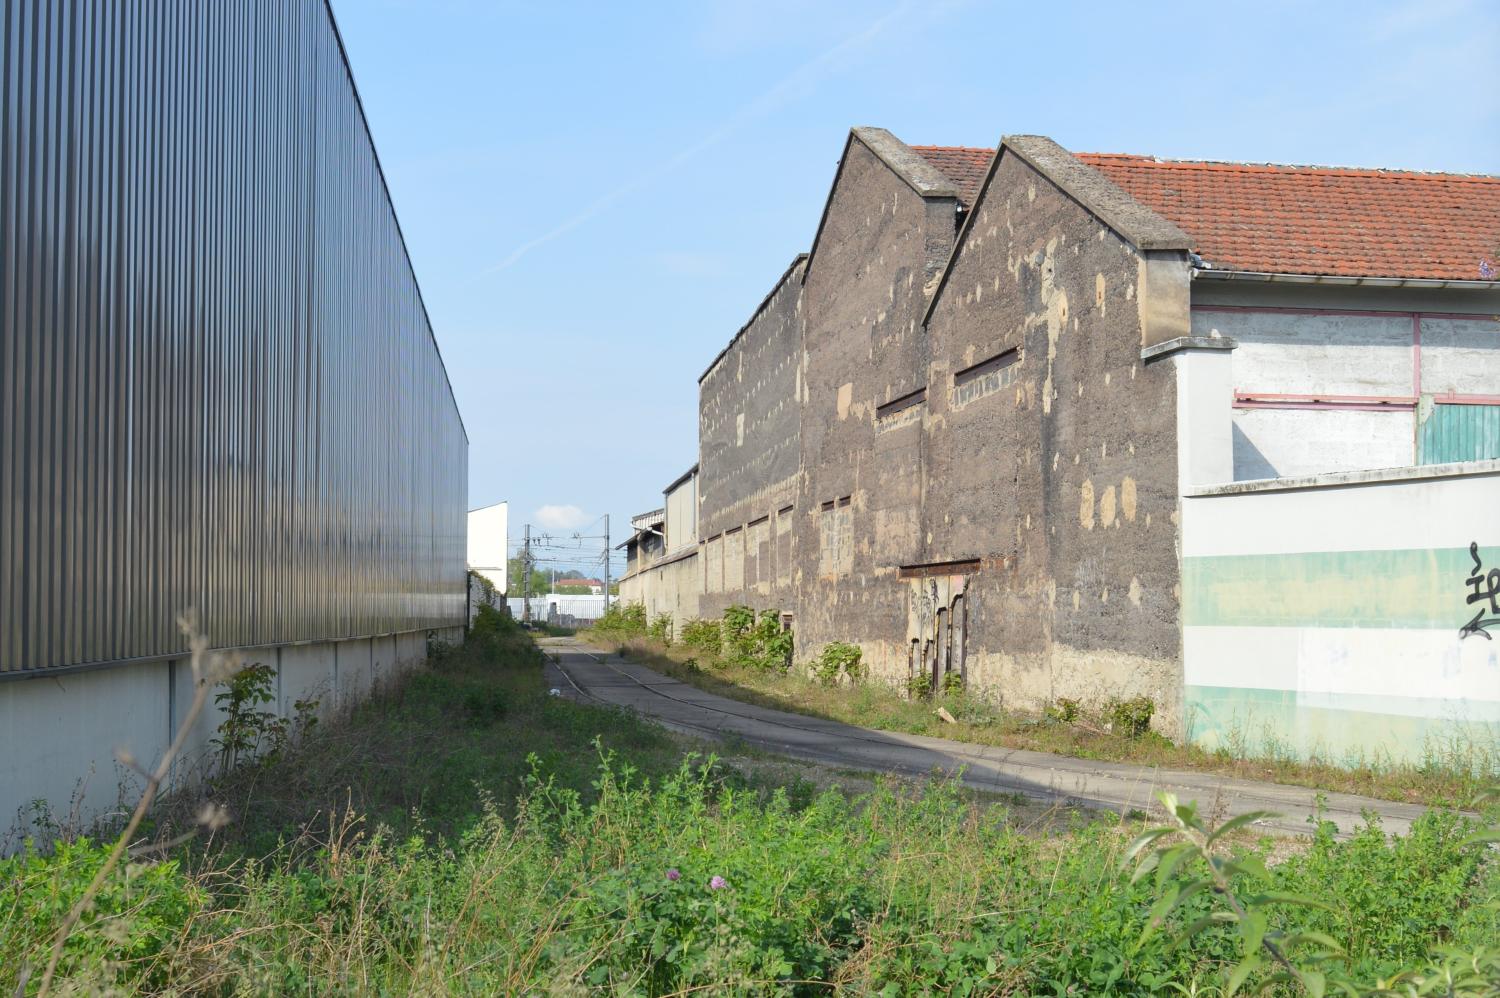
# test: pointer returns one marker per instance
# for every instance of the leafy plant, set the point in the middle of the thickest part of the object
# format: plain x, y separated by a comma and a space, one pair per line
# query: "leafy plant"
838, 660
623, 620
1286, 937
1131, 718
919, 686
1064, 709
245, 725
246, 728
703, 636
953, 684
737, 634
661, 629
773, 642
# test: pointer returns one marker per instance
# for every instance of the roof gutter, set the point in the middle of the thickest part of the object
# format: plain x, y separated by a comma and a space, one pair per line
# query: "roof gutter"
1331, 279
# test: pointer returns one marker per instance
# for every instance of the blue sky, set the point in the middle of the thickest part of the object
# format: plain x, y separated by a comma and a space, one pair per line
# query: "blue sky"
596, 196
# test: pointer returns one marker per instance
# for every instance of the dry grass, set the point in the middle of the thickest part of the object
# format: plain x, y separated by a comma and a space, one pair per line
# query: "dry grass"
1453, 774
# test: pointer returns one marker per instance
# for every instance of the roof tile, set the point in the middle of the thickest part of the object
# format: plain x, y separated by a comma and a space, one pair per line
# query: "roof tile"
964, 165
1320, 220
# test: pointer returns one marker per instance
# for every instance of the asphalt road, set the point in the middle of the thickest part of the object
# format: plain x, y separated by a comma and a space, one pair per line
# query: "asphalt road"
587, 674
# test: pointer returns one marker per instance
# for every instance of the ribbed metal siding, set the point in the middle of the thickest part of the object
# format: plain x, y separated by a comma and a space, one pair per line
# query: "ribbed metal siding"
1460, 433
218, 386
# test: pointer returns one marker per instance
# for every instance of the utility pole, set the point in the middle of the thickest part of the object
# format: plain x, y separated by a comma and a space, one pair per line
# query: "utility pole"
526, 578
606, 562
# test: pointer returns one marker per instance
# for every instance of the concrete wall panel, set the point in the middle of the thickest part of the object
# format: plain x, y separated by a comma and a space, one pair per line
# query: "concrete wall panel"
1301, 354
1336, 619
1461, 355
1272, 443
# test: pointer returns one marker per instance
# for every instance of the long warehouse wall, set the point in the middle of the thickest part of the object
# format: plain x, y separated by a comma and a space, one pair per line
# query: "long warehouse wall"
218, 386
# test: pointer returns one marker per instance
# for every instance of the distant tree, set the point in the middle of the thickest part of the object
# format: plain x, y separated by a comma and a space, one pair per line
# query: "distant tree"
514, 579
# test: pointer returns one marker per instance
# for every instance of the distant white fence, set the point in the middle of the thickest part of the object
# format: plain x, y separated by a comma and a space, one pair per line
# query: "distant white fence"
560, 609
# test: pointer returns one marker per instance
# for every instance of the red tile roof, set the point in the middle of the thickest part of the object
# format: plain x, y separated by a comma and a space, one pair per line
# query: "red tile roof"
964, 165
1321, 220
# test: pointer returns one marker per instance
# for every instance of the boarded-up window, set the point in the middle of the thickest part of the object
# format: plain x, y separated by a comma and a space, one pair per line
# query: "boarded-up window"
985, 378
734, 559
784, 545
758, 555
835, 538
713, 565
900, 411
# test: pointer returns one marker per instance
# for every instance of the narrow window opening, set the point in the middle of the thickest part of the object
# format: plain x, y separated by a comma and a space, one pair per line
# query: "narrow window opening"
993, 364
901, 404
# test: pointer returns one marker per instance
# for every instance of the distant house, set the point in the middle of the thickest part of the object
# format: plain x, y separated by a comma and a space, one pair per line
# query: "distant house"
1221, 435
591, 587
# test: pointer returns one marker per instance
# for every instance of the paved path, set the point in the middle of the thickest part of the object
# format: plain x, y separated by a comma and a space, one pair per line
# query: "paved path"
587, 674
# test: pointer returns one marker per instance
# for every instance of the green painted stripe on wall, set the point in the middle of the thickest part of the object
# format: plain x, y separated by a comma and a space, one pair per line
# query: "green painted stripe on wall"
1256, 721
1399, 588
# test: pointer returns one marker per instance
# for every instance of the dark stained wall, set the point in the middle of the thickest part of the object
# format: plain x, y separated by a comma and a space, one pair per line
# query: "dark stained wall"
1059, 469
749, 447
878, 253
218, 386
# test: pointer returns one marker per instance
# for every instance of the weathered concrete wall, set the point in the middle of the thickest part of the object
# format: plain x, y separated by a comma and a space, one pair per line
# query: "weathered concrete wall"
879, 251
673, 586
1058, 470
1349, 343
60, 735
749, 442
1327, 616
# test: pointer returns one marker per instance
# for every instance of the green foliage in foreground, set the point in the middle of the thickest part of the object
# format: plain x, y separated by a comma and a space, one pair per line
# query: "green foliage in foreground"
681, 875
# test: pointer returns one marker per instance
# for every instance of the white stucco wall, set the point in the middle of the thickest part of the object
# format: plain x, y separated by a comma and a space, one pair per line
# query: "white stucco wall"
682, 515
1326, 616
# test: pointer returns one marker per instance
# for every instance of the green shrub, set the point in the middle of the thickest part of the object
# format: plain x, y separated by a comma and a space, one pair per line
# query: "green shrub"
703, 635
623, 620
135, 918
661, 629
247, 732
838, 659
773, 643
1132, 718
756, 642
919, 686
1063, 709
737, 635
953, 684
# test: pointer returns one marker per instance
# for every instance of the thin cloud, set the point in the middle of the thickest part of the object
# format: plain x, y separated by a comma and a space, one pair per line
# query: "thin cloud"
787, 88
566, 517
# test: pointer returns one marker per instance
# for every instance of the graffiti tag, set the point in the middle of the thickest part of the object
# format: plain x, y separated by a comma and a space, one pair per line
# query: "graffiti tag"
1486, 593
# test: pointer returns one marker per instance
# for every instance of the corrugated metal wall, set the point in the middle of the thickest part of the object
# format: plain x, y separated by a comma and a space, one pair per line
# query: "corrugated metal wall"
1459, 433
218, 386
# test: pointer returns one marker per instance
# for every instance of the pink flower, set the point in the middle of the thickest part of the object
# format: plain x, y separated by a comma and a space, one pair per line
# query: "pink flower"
673, 874
717, 884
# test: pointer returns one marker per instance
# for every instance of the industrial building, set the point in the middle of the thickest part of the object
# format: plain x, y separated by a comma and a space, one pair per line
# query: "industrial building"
1099, 426
219, 389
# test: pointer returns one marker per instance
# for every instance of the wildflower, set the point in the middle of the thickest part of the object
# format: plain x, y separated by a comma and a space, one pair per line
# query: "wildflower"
718, 883
673, 874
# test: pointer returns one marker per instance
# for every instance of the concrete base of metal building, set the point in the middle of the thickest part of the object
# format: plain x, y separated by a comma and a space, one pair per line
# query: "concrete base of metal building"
62, 736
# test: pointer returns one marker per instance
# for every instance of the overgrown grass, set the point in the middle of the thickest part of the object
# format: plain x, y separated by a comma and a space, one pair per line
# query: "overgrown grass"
465, 832
1453, 774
